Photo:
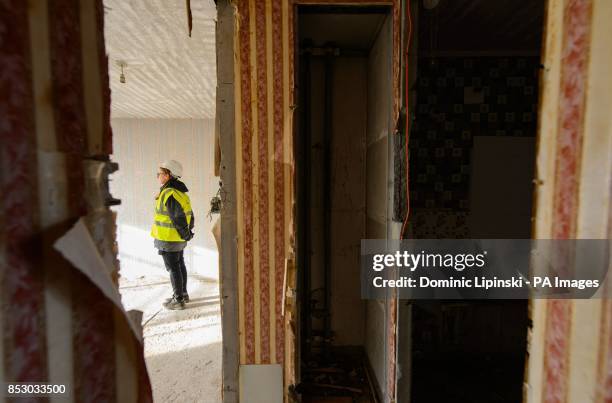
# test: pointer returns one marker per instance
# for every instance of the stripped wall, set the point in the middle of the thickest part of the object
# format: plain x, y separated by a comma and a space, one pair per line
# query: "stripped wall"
570, 359
56, 326
379, 171
139, 145
264, 98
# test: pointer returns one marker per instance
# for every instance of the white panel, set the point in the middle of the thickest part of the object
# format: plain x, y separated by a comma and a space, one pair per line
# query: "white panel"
261, 384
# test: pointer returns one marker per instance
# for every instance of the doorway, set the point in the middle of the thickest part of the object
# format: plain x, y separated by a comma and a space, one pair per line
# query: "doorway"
163, 83
344, 76
472, 154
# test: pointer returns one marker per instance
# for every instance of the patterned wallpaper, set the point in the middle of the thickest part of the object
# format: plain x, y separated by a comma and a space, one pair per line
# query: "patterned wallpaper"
57, 326
458, 98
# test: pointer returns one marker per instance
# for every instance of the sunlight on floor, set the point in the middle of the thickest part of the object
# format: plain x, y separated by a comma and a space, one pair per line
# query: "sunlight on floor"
182, 348
140, 259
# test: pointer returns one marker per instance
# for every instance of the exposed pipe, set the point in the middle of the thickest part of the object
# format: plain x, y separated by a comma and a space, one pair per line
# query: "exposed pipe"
327, 158
304, 204
328, 52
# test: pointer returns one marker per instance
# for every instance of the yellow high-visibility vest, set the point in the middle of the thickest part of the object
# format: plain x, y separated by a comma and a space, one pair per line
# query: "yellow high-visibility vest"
163, 228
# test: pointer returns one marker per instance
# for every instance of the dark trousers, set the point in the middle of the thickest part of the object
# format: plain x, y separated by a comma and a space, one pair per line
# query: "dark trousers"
175, 264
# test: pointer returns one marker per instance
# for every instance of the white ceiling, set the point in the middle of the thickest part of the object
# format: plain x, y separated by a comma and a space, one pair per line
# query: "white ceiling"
168, 74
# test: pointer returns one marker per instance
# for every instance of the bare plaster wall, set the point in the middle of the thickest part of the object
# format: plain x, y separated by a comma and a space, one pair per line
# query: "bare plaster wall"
139, 146
379, 132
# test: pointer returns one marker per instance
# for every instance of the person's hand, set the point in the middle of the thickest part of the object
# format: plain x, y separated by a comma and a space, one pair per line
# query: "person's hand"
190, 236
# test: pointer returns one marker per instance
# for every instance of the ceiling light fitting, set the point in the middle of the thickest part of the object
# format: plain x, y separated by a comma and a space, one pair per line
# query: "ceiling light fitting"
122, 65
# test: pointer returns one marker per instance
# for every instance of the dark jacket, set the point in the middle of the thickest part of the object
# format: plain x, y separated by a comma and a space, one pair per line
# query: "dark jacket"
177, 216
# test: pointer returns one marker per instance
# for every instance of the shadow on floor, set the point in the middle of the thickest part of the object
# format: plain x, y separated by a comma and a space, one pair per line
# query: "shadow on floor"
191, 375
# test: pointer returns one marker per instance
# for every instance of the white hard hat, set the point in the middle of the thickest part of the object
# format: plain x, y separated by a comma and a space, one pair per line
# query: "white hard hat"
175, 167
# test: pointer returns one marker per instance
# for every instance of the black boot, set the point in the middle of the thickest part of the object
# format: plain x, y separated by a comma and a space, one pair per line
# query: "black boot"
185, 298
174, 304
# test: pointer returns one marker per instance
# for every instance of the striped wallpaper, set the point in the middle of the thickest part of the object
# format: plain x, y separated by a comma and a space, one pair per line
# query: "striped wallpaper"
570, 355
56, 326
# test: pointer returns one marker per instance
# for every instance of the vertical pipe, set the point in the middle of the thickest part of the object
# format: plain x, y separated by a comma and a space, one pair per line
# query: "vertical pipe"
327, 156
304, 202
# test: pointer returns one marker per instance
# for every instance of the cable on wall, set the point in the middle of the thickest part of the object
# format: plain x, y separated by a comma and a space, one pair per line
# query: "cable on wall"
407, 119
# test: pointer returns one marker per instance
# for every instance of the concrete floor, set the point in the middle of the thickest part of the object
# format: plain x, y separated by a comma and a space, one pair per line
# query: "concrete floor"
182, 348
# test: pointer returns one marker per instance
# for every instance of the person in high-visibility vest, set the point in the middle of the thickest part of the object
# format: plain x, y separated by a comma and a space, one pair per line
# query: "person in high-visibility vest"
172, 228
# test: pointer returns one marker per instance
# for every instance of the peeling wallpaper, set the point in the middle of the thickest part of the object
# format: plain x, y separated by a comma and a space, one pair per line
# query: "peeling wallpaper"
168, 74
56, 325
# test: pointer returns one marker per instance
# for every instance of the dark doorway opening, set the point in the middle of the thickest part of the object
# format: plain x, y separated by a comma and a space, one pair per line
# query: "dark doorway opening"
344, 111
472, 154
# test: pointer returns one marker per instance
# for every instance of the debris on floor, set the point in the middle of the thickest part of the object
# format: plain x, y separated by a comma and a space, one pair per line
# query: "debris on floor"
342, 377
